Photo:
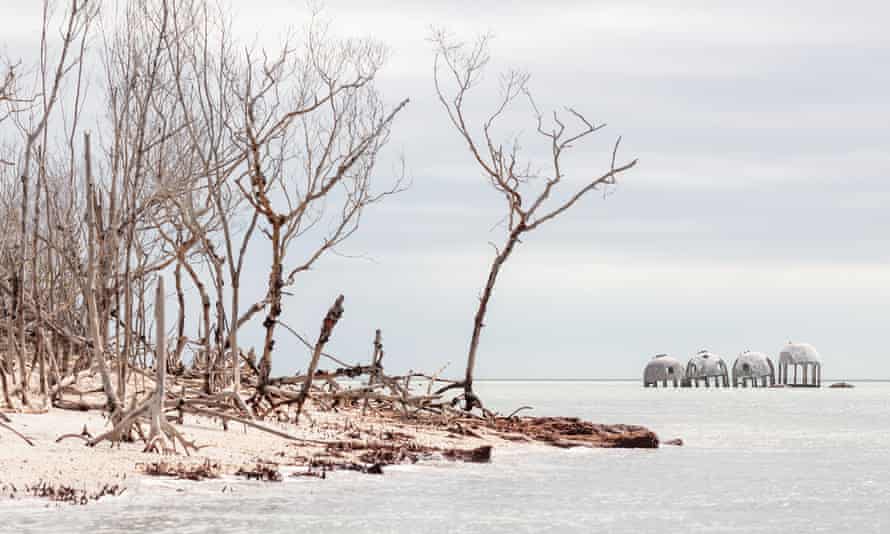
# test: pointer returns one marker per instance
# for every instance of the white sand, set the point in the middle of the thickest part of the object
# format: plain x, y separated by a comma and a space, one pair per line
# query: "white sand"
73, 464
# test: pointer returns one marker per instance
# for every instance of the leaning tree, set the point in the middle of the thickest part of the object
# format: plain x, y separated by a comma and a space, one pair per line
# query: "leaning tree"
528, 189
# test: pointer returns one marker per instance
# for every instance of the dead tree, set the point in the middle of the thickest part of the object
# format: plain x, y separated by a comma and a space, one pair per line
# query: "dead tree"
525, 191
156, 416
89, 289
162, 436
313, 125
32, 118
203, 146
203, 50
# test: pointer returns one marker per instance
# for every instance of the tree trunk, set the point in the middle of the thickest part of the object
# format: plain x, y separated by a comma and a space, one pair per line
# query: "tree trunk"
38, 338
275, 285
40, 348
157, 408
233, 339
219, 361
20, 296
128, 322
180, 324
479, 319
11, 344
5, 384
90, 289
205, 316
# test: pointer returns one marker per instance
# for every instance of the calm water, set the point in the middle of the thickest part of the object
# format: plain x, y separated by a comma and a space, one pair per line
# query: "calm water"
754, 461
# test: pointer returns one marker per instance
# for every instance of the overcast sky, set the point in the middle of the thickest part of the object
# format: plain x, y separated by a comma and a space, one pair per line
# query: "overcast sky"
757, 214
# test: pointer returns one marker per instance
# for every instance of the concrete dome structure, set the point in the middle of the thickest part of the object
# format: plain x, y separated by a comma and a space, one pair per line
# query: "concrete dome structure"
805, 357
755, 368
662, 368
707, 366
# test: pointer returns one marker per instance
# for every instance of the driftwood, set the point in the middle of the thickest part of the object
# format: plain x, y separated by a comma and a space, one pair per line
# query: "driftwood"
78, 406
252, 424
327, 327
378, 454
84, 435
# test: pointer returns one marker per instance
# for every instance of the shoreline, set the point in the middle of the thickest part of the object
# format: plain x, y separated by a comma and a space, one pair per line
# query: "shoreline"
70, 471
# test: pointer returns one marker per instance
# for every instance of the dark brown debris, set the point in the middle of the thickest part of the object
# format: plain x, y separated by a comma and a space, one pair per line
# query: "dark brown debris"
479, 455
265, 472
183, 471
67, 494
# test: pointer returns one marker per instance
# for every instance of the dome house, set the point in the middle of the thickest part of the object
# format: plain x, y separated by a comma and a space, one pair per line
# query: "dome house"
754, 368
662, 368
708, 367
802, 357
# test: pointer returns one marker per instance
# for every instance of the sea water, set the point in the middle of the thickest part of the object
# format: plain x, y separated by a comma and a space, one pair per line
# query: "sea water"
753, 460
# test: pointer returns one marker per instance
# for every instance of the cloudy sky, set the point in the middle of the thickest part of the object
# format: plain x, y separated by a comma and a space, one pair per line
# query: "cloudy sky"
757, 214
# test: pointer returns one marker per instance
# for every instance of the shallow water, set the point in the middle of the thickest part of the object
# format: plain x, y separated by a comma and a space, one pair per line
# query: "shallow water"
754, 460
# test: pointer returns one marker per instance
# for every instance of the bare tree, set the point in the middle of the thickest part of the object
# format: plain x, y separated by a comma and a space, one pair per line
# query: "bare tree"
199, 147
526, 188
204, 51
313, 125
31, 113
77, 24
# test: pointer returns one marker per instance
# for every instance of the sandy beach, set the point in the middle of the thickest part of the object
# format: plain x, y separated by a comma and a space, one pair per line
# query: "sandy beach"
71, 463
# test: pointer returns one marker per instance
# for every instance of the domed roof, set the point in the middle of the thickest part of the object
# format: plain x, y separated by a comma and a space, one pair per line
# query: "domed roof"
795, 353
705, 364
752, 364
663, 367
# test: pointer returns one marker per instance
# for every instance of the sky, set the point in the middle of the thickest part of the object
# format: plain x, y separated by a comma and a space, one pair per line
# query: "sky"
756, 215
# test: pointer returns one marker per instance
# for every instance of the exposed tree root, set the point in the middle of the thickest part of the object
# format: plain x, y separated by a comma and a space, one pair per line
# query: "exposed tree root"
162, 436
16, 432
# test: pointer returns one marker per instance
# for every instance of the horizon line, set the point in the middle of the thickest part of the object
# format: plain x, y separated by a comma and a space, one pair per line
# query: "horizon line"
638, 379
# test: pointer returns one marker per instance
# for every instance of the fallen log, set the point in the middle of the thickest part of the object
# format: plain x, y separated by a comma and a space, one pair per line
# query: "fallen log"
573, 432
78, 406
